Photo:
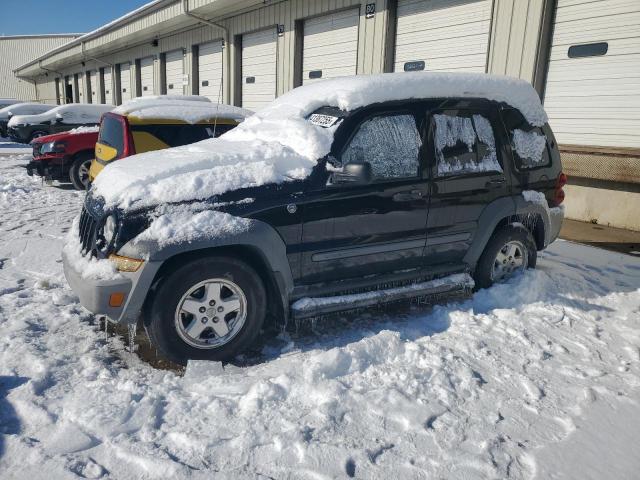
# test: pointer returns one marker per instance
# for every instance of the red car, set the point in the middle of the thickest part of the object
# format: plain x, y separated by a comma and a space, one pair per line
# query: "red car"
65, 156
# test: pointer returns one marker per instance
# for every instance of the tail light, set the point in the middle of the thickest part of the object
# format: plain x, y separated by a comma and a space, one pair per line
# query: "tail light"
561, 181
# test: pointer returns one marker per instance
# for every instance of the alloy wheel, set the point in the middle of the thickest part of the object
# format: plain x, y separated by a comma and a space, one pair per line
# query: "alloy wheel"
211, 313
511, 258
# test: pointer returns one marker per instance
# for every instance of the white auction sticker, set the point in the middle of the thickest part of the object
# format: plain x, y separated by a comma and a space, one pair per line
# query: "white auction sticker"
323, 120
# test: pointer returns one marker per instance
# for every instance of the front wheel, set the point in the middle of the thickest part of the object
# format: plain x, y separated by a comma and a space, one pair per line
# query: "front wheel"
207, 309
510, 250
79, 171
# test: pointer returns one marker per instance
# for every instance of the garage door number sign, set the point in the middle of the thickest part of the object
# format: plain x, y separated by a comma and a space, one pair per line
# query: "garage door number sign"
370, 10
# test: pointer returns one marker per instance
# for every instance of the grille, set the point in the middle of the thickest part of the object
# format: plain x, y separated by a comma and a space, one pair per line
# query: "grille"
88, 227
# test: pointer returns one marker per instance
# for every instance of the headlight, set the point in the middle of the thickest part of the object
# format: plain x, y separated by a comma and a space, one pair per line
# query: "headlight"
55, 147
107, 234
109, 230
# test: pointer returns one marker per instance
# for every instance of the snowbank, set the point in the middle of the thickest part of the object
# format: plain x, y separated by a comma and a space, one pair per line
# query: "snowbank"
279, 142
71, 113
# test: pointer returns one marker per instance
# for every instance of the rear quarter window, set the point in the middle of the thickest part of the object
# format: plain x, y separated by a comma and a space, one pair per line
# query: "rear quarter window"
528, 143
112, 133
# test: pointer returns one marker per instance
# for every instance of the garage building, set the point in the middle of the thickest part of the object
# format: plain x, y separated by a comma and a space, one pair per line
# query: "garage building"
582, 57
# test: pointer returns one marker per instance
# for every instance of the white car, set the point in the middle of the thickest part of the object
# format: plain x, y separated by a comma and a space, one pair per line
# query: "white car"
24, 128
20, 109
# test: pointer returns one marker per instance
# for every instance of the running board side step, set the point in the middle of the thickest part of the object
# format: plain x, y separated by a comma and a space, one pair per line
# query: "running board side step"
315, 306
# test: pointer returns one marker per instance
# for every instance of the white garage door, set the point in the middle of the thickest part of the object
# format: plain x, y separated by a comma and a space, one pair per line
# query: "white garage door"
210, 70
259, 53
107, 78
592, 93
330, 46
125, 82
93, 86
146, 76
80, 77
174, 72
442, 35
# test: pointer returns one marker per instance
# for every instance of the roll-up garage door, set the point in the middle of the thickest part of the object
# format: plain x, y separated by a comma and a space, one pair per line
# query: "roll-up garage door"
592, 94
93, 87
174, 72
108, 85
210, 70
80, 83
259, 54
125, 82
330, 46
442, 35
146, 76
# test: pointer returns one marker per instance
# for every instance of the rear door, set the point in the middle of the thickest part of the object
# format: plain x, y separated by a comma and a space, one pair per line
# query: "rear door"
467, 172
379, 227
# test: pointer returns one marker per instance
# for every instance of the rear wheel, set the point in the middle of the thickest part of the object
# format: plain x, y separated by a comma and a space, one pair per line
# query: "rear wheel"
79, 171
510, 250
207, 309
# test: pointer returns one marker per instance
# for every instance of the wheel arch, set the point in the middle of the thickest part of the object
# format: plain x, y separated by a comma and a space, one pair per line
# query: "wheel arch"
254, 257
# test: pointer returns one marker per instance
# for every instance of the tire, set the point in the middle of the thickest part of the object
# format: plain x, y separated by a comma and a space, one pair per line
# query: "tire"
174, 331
490, 270
37, 134
79, 171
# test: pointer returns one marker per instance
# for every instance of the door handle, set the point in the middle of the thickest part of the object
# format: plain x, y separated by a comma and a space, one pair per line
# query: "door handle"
495, 183
407, 196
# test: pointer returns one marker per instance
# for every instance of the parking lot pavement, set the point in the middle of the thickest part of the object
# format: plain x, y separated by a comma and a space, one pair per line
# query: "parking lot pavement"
602, 236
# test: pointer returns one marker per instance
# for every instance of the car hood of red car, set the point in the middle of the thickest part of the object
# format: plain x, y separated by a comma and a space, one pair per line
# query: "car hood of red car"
62, 136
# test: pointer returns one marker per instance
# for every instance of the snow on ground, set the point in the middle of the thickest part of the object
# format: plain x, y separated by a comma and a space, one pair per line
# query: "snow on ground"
8, 147
536, 377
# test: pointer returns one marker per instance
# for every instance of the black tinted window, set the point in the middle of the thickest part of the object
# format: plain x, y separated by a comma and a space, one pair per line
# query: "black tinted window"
588, 50
112, 133
464, 143
528, 143
177, 135
390, 143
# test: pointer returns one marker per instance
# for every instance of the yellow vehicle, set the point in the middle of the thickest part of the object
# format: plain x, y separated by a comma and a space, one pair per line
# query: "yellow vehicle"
155, 123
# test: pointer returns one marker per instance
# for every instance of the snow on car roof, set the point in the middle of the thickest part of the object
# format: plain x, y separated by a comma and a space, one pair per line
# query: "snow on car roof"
30, 107
280, 143
191, 109
70, 113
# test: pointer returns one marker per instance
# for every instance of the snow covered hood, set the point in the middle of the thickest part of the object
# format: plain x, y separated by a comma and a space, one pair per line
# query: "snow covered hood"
278, 143
190, 109
72, 113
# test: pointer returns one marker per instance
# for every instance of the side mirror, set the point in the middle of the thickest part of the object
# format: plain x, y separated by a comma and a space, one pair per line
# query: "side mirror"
353, 174
58, 119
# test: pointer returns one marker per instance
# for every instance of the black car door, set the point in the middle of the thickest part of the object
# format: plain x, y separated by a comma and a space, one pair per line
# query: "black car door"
351, 230
467, 174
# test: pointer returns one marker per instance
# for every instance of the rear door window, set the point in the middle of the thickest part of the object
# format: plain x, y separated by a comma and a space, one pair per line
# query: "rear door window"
112, 133
464, 143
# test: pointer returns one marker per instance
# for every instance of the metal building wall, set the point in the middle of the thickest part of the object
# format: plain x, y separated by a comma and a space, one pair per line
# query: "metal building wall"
515, 36
15, 51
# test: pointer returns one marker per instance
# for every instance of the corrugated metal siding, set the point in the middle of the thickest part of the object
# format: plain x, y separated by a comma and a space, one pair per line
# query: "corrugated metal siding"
15, 51
595, 100
514, 37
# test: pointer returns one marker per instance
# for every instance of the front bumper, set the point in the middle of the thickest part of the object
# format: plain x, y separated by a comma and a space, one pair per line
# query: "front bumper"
94, 294
54, 168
